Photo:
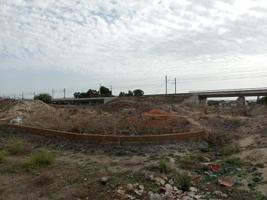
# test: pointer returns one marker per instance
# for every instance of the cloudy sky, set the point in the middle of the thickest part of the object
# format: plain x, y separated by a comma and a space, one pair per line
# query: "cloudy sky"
80, 44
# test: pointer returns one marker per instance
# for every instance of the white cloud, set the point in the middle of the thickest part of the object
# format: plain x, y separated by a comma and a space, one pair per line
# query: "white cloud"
133, 38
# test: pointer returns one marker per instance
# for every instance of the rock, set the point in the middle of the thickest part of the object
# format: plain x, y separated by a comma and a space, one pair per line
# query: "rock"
130, 187
159, 181
130, 197
220, 194
168, 188
104, 180
172, 160
139, 190
226, 181
206, 159
187, 198
193, 189
155, 196
223, 195
120, 191
191, 194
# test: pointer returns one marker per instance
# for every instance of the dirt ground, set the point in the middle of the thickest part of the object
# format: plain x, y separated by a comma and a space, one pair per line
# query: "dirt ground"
229, 163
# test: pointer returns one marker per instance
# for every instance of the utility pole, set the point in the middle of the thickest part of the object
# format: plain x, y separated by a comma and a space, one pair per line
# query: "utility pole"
64, 93
175, 84
166, 84
111, 89
22, 95
52, 93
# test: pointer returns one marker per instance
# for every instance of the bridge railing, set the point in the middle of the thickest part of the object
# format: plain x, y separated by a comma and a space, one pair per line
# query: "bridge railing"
229, 90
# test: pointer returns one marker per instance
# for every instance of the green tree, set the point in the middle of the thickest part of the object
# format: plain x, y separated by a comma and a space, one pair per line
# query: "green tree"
47, 98
262, 100
105, 92
138, 92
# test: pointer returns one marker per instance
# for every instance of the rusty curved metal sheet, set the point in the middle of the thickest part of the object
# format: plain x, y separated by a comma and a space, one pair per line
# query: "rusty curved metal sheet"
107, 139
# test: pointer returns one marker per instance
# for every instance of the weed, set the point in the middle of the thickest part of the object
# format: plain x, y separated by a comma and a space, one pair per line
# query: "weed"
161, 167
3, 155
53, 196
135, 177
183, 181
113, 182
39, 159
230, 149
259, 165
17, 147
189, 161
260, 196
234, 161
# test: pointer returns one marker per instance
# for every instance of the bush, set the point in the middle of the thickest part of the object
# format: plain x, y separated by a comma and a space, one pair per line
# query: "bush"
234, 161
124, 94
44, 97
161, 167
262, 100
105, 92
3, 155
138, 92
183, 181
42, 158
17, 147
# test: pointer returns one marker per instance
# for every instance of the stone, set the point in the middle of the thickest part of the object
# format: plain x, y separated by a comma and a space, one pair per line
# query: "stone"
130, 187
155, 196
172, 160
193, 189
104, 180
120, 191
139, 190
168, 188
159, 181
130, 197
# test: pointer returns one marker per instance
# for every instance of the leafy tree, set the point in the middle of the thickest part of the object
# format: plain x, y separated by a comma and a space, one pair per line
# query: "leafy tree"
92, 93
76, 95
105, 92
47, 98
123, 94
138, 92
262, 100
130, 93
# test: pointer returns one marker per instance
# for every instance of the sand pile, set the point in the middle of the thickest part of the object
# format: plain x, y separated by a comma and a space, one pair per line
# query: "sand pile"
29, 111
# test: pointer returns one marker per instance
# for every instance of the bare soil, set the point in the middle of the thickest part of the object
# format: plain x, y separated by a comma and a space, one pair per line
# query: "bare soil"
236, 141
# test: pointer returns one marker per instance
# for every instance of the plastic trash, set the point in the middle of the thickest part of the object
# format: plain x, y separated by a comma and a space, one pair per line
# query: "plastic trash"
16, 121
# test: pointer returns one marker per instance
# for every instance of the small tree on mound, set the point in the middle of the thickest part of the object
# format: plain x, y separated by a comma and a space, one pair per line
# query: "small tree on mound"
138, 93
44, 97
262, 100
105, 92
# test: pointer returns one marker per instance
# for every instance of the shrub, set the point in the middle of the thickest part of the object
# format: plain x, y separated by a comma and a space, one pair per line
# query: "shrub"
42, 158
161, 167
17, 147
138, 92
105, 92
234, 161
183, 181
3, 155
44, 97
262, 100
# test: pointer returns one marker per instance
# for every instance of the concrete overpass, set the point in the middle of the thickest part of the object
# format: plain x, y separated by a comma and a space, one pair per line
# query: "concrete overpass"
193, 97
87, 101
200, 97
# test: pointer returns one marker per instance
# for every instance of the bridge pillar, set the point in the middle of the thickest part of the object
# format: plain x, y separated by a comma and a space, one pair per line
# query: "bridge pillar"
203, 101
241, 101
196, 100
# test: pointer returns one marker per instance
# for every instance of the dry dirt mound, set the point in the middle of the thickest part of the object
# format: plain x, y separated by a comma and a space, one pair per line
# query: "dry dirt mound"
29, 111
